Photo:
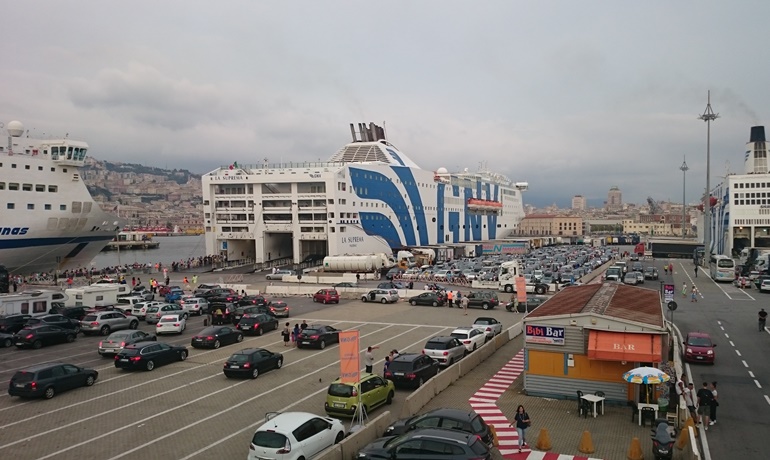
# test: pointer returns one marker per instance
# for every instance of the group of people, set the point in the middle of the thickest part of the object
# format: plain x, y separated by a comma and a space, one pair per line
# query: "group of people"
702, 403
291, 335
369, 359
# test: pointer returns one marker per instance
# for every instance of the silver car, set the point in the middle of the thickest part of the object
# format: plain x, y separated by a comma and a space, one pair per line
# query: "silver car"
155, 313
445, 350
140, 309
491, 326
104, 322
381, 295
195, 305
113, 344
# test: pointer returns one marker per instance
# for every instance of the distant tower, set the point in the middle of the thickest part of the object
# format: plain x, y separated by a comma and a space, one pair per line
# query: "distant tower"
579, 203
614, 199
756, 152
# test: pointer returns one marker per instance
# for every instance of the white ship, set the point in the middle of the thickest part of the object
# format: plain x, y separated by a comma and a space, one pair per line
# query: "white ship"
49, 220
368, 198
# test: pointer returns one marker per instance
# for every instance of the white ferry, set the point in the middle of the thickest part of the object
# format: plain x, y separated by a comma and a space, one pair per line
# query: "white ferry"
368, 198
49, 220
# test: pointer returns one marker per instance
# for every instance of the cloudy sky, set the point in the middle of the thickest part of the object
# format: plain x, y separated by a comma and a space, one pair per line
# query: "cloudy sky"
573, 97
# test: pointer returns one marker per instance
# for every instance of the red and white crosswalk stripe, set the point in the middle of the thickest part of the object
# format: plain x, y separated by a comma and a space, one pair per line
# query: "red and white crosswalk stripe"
484, 402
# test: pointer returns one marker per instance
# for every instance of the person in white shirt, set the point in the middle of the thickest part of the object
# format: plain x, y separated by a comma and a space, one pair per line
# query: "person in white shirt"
692, 402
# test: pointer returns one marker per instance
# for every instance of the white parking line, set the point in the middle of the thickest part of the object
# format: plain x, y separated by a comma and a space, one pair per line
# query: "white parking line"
767, 398
206, 396
757, 383
727, 336
738, 353
732, 344
751, 374
745, 364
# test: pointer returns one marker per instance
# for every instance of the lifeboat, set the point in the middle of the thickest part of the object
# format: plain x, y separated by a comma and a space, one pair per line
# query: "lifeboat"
475, 203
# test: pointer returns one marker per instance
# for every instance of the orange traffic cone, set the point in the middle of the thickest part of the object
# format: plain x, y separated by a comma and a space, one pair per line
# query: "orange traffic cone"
635, 450
586, 445
543, 440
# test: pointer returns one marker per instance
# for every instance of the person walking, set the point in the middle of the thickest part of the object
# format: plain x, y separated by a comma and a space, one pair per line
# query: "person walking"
385, 367
691, 400
714, 403
369, 358
684, 289
286, 333
696, 271
464, 302
522, 421
449, 298
665, 269
704, 404
762, 320
295, 334
694, 297
671, 268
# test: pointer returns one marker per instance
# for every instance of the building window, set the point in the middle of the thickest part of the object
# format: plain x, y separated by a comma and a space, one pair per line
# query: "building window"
11, 206
30, 206
62, 207
48, 207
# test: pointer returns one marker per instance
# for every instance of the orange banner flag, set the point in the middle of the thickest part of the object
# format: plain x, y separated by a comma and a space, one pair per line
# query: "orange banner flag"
350, 367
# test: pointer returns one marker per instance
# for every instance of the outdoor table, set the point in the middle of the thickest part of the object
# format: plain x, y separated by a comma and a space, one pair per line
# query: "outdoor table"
643, 405
594, 399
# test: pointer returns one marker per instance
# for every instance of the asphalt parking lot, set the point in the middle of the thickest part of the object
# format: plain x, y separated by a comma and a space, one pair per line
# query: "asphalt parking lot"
190, 409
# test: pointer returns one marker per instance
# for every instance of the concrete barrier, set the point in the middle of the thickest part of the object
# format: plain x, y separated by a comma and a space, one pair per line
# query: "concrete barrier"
468, 363
515, 331
356, 441
501, 339
445, 378
485, 351
332, 453
418, 399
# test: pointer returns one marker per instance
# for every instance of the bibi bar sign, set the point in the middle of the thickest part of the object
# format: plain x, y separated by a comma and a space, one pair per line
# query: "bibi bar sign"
545, 335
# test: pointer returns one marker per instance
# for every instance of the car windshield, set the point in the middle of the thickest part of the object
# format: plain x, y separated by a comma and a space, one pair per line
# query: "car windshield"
435, 346
269, 439
239, 358
89, 318
311, 331
130, 352
460, 335
23, 377
477, 425
699, 342
483, 321
167, 319
152, 309
118, 335
342, 390
400, 366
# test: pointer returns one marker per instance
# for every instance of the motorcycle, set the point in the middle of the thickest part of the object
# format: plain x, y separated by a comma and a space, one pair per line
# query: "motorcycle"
663, 437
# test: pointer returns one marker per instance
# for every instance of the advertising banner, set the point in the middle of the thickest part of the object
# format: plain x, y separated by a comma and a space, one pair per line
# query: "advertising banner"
521, 289
547, 335
668, 293
350, 367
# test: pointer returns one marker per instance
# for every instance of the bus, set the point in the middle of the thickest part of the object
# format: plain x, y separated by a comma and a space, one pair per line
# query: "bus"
722, 268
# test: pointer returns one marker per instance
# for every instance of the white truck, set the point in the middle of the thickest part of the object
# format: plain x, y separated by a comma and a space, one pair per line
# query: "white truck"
358, 263
509, 271
96, 294
35, 303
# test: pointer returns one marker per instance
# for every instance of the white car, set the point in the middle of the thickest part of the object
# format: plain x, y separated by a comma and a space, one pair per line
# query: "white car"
294, 435
491, 326
442, 275
279, 274
472, 337
170, 324
765, 286
140, 309
194, 305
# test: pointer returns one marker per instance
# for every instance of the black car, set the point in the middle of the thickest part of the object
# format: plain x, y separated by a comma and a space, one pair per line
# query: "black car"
221, 312
76, 313
447, 419
56, 320
148, 355
12, 324
243, 311
216, 336
6, 340
483, 299
257, 323
391, 285
250, 300
204, 288
251, 362
427, 298
650, 273
220, 295
411, 370
42, 334
424, 443
345, 284
319, 336
50, 378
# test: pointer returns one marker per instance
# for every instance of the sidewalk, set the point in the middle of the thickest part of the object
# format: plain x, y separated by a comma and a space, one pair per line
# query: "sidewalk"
611, 433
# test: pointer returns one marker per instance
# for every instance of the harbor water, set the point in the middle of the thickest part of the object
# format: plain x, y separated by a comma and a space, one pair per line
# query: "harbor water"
172, 249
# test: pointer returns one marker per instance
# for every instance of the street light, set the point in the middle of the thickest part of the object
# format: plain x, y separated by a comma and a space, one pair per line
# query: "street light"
684, 169
708, 116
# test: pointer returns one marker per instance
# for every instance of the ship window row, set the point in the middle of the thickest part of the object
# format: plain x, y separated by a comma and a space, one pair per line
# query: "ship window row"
63, 151
752, 184
31, 206
752, 222
752, 195
15, 186
754, 202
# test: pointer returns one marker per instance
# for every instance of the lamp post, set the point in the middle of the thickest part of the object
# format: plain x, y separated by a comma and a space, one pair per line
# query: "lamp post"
684, 169
708, 116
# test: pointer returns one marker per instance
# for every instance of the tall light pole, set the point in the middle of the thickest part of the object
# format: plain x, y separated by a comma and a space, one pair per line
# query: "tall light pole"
684, 169
708, 116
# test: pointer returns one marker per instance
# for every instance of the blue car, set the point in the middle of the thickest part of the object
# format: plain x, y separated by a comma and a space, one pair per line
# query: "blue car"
174, 295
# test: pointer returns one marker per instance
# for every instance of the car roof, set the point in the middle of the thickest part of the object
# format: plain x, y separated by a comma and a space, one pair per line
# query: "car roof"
698, 334
139, 345
453, 435
286, 422
248, 351
442, 338
169, 316
41, 366
485, 318
407, 357
457, 414
464, 329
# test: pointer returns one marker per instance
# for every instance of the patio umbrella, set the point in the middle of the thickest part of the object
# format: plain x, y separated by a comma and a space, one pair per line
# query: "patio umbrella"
646, 376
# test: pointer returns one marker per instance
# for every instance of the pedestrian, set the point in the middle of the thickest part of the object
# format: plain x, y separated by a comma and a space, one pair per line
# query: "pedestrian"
133, 281
385, 367
665, 269
286, 333
195, 280
690, 401
684, 289
465, 305
458, 298
295, 333
679, 387
449, 298
522, 423
369, 358
714, 403
671, 268
696, 271
704, 404
303, 326
694, 297
393, 354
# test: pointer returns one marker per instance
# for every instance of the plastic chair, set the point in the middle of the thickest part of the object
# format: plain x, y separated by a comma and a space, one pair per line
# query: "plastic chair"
586, 408
647, 413
634, 410
599, 394
579, 401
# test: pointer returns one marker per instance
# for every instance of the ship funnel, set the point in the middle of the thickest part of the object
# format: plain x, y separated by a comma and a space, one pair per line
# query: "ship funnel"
757, 134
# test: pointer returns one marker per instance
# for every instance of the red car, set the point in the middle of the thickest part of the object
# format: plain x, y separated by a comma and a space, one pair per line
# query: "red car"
699, 348
327, 296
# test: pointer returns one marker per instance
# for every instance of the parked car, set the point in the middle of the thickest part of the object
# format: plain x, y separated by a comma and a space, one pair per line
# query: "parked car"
471, 337
426, 441
250, 300
318, 335
491, 326
394, 272
12, 324
194, 305
391, 285
155, 313
76, 313
216, 336
411, 370
279, 274
344, 284
48, 379
148, 355
56, 320
42, 334
651, 273
6, 340
294, 436
203, 288
699, 348
371, 390
251, 362
171, 324
279, 308
381, 296
220, 295
140, 309
257, 323
174, 294
445, 350
639, 277
447, 419
243, 311
483, 299
630, 278
326, 296
104, 322
221, 312
117, 340
765, 285
427, 298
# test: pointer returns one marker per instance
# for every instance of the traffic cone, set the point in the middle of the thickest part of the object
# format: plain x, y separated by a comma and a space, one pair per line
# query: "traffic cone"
543, 440
635, 450
586, 445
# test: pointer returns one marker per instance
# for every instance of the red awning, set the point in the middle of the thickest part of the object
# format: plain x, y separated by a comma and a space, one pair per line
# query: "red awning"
619, 346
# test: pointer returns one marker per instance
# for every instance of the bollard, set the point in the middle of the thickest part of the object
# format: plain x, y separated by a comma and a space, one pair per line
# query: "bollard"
543, 440
635, 450
586, 445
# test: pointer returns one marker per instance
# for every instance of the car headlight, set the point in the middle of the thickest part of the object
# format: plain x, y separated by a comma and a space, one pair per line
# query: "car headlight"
689, 350
390, 428
710, 352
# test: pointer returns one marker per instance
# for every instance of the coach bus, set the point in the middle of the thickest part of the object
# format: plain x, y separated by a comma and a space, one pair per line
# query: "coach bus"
722, 268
